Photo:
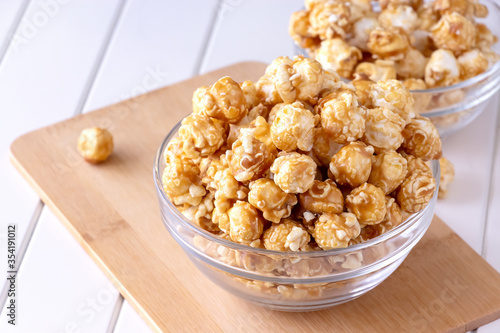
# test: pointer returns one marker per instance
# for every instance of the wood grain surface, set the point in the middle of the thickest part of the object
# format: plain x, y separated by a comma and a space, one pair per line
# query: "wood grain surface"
112, 211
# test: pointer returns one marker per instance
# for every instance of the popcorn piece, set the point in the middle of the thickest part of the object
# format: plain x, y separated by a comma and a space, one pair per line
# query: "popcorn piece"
181, 182
401, 16
286, 236
442, 69
359, 9
307, 79
454, 32
329, 19
472, 63
361, 32
428, 17
335, 231
293, 127
422, 99
299, 30
467, 8
294, 172
421, 40
266, 196
367, 202
95, 144
250, 92
388, 43
383, 129
202, 214
202, 134
224, 100
323, 197
378, 70
417, 164
352, 164
415, 4
249, 158
416, 190
393, 95
338, 55
447, 176
363, 87
220, 215
484, 37
266, 91
245, 222
421, 139
342, 117
324, 147
412, 66
388, 171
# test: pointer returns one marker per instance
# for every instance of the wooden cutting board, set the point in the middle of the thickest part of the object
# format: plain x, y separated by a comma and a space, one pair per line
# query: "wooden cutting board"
112, 211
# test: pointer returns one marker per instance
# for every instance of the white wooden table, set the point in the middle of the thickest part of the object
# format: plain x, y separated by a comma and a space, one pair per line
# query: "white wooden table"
61, 58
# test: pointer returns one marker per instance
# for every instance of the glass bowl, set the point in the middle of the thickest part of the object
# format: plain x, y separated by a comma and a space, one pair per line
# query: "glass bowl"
454, 107
292, 281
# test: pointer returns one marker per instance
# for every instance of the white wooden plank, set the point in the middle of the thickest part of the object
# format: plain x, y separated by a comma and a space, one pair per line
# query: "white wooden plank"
59, 288
470, 150
493, 327
251, 30
10, 12
157, 43
130, 321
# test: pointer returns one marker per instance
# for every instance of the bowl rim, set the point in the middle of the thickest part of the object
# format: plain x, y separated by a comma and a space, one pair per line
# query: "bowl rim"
157, 175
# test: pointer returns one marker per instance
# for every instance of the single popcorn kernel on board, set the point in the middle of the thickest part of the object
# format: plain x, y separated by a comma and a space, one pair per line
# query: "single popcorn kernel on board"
421, 139
322, 197
388, 171
367, 202
293, 127
334, 231
342, 117
352, 164
274, 204
447, 177
383, 129
393, 95
454, 32
338, 55
95, 144
246, 225
294, 172
442, 69
286, 236
202, 133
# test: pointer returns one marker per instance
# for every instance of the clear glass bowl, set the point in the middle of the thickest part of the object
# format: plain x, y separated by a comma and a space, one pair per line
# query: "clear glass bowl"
454, 107
292, 281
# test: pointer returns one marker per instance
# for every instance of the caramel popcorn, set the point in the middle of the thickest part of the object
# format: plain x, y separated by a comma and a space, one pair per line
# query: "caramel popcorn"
323, 197
484, 37
329, 19
422, 100
361, 32
415, 4
393, 95
447, 177
367, 202
421, 139
224, 100
342, 117
282, 174
95, 144
401, 16
388, 43
266, 196
412, 66
246, 225
388, 171
383, 129
203, 134
339, 56
378, 70
454, 32
249, 158
472, 63
428, 17
293, 127
336, 230
299, 30
294, 172
466, 8
352, 164
442, 69
286, 236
